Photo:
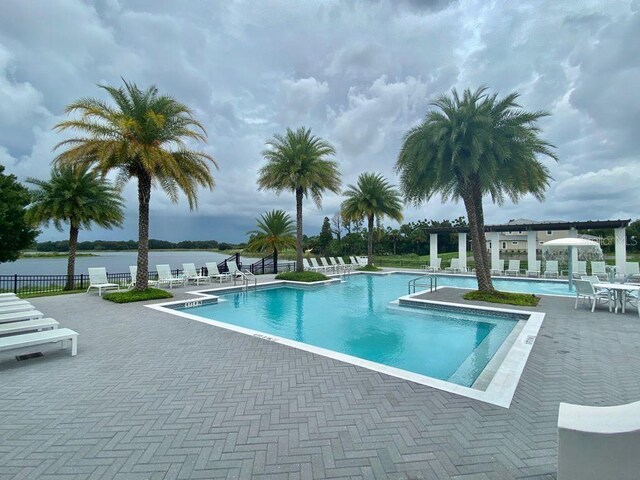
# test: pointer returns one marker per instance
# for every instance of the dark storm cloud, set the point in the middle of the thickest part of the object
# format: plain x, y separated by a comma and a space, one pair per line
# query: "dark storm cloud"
359, 73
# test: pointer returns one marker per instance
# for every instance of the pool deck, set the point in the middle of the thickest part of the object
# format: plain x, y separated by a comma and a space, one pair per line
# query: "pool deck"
155, 396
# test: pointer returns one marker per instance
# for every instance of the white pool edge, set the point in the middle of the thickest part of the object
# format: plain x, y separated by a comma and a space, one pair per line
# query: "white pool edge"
499, 392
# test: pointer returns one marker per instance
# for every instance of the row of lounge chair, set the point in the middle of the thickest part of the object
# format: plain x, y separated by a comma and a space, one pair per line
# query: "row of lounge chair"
22, 326
331, 264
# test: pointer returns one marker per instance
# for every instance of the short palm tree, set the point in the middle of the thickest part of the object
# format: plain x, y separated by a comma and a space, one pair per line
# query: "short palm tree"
275, 233
143, 136
76, 196
472, 146
372, 198
298, 162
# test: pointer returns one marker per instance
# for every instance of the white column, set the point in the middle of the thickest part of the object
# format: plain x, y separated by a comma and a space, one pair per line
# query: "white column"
433, 249
573, 233
532, 246
494, 237
462, 251
621, 249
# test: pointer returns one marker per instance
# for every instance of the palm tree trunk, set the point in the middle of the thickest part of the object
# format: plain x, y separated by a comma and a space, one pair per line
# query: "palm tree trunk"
275, 261
144, 196
71, 263
370, 241
473, 205
299, 265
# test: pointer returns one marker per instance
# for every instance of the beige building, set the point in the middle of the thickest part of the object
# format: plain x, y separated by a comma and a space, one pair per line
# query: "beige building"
516, 240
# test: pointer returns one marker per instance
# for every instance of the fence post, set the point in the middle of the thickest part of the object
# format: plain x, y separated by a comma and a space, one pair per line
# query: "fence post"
238, 260
15, 283
81, 281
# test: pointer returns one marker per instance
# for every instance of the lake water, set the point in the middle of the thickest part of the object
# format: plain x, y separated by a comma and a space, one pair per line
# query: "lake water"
115, 262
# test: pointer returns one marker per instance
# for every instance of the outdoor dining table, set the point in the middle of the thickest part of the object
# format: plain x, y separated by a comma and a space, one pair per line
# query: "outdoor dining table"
619, 292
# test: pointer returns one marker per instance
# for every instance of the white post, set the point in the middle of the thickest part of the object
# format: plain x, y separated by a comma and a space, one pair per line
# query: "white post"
462, 251
531, 249
494, 237
621, 250
433, 250
573, 233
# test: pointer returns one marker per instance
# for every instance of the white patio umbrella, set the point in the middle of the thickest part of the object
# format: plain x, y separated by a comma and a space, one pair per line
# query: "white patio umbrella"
570, 243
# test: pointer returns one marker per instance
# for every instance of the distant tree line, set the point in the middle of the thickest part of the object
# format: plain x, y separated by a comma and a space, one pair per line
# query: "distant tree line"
102, 245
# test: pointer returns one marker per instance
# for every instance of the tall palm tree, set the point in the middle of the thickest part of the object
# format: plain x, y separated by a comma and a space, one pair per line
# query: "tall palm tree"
78, 197
275, 233
372, 198
472, 146
144, 136
298, 162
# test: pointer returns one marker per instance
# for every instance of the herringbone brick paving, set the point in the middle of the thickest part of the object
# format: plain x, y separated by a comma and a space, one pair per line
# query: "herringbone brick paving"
153, 396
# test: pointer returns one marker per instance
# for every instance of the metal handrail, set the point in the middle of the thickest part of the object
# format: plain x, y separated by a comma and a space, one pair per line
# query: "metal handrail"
246, 276
433, 283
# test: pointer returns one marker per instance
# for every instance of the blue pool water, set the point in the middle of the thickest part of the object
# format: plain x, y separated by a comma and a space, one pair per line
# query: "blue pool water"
540, 287
355, 318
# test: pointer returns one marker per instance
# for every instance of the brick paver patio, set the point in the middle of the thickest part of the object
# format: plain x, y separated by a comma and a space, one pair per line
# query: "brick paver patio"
154, 396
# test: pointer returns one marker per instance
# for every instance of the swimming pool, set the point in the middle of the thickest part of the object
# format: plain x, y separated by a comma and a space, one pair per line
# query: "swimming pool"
539, 287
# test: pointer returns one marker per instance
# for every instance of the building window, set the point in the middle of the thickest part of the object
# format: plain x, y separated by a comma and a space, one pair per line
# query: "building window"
514, 243
549, 232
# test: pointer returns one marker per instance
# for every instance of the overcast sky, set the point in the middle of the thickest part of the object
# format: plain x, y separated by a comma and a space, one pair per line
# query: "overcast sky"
358, 73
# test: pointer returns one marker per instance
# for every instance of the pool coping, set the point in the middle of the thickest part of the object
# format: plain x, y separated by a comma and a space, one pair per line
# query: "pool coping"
499, 391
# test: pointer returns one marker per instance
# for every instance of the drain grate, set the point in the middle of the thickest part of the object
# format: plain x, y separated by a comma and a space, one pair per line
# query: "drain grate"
28, 356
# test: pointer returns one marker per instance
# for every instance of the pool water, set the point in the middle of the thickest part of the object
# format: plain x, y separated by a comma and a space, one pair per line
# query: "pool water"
354, 318
540, 287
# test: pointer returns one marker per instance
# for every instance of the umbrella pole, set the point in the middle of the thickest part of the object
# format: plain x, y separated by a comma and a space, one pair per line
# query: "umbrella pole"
570, 252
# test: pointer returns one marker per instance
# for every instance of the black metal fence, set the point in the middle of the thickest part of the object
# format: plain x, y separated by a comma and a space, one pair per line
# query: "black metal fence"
268, 265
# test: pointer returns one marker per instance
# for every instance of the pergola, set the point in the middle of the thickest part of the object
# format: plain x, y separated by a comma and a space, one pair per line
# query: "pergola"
619, 227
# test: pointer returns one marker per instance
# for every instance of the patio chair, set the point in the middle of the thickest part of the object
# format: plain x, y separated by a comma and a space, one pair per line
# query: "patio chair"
633, 298
597, 443
551, 269
632, 270
316, 265
534, 270
133, 272
454, 266
334, 263
345, 265
8, 297
213, 273
514, 268
98, 279
165, 277
599, 269
585, 289
192, 275
580, 269
498, 269
354, 261
326, 264
435, 268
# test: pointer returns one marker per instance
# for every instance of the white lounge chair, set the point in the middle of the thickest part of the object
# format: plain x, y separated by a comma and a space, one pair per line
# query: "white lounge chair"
326, 264
98, 279
165, 277
28, 326
214, 273
514, 268
579, 269
454, 266
192, 275
600, 269
434, 268
551, 269
133, 272
534, 270
498, 269
39, 338
22, 307
335, 265
19, 316
316, 265
585, 289
597, 443
356, 262
632, 270
345, 265
8, 297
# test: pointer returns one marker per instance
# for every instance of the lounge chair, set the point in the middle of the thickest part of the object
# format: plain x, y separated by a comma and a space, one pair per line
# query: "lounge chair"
165, 277
498, 269
585, 289
39, 338
632, 270
192, 275
551, 269
534, 270
454, 266
514, 268
16, 307
356, 262
133, 273
214, 274
316, 265
8, 297
599, 269
579, 269
98, 279
327, 265
335, 265
19, 316
435, 268
596, 443
13, 328
345, 265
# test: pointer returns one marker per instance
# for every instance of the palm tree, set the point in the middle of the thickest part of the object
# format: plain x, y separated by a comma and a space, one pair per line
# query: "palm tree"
372, 198
298, 162
78, 197
275, 233
142, 136
470, 147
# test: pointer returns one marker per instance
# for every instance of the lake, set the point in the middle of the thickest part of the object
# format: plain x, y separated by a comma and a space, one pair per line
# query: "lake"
115, 262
